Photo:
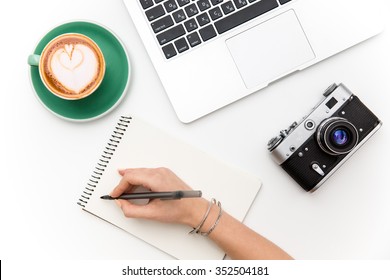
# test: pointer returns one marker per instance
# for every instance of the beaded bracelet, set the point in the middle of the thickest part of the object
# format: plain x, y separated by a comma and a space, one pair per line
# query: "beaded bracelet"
197, 229
215, 223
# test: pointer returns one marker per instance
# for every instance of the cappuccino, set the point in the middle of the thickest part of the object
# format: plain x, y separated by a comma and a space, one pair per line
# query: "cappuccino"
72, 66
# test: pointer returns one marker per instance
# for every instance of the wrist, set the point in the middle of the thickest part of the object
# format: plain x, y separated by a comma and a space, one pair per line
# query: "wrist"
204, 216
195, 212
213, 219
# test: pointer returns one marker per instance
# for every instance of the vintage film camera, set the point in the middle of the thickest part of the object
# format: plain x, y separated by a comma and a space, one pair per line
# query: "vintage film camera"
312, 150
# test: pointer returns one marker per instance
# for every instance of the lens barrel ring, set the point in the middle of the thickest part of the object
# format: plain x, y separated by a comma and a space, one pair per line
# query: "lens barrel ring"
332, 128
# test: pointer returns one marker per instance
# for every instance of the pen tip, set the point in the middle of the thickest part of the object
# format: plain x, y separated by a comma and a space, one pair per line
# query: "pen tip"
106, 197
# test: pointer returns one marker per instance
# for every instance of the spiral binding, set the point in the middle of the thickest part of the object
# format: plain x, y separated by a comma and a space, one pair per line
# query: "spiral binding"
104, 159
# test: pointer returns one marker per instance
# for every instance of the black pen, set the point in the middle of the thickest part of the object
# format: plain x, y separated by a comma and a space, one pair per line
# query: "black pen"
153, 195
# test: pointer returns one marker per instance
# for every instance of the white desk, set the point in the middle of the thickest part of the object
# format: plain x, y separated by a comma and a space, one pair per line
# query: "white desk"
46, 161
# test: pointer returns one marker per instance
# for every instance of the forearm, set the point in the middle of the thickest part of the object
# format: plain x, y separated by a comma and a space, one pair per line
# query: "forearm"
238, 241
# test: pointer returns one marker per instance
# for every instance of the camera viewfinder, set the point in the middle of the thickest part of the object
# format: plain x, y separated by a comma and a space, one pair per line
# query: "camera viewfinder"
333, 101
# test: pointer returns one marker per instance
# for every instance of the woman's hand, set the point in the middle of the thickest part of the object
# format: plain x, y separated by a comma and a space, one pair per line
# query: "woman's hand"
187, 211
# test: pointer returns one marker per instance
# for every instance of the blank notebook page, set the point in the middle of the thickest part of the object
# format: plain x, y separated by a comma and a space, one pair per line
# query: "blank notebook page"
134, 144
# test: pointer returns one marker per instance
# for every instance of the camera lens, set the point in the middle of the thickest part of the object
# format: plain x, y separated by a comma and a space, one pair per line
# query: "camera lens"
340, 137
337, 136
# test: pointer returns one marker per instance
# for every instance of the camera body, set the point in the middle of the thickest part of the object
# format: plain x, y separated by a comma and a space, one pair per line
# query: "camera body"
313, 149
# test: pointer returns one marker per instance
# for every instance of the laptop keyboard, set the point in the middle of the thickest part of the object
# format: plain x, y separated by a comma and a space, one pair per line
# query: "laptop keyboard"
180, 25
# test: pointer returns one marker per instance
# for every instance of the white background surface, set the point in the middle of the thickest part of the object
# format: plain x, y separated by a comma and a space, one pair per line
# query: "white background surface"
46, 161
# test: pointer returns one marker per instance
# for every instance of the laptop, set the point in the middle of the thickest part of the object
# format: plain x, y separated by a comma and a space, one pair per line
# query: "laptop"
210, 53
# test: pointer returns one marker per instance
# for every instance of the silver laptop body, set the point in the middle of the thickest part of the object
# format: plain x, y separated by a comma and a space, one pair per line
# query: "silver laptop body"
210, 53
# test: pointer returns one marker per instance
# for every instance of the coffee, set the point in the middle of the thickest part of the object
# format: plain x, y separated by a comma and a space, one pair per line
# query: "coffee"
72, 66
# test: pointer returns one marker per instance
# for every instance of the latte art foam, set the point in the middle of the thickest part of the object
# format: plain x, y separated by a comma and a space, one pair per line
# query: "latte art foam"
75, 69
73, 66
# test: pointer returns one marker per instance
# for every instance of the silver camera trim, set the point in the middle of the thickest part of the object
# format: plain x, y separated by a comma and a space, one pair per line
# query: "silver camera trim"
299, 134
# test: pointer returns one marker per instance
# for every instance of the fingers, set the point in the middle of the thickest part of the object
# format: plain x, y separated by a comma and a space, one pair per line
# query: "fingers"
132, 178
156, 179
122, 171
134, 211
123, 186
138, 176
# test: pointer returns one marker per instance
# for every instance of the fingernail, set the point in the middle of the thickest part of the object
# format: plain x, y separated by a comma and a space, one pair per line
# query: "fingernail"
121, 171
117, 202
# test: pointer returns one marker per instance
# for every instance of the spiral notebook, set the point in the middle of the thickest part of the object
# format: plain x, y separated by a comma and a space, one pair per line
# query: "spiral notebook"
134, 143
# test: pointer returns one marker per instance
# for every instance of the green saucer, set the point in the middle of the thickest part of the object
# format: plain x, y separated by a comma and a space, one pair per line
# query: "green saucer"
113, 87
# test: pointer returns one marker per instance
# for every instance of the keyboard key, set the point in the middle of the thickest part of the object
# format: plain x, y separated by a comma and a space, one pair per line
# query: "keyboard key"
181, 45
203, 19
170, 5
204, 5
146, 3
179, 16
207, 32
183, 2
283, 1
155, 12
191, 10
240, 3
245, 15
158, 1
169, 51
171, 34
191, 25
227, 7
161, 24
215, 13
215, 2
194, 39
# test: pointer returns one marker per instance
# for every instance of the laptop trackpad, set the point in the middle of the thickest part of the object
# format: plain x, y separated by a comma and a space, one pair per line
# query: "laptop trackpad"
270, 50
